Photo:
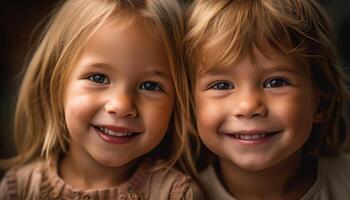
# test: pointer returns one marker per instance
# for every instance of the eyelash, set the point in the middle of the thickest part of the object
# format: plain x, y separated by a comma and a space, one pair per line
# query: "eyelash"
98, 80
154, 87
282, 82
147, 85
222, 85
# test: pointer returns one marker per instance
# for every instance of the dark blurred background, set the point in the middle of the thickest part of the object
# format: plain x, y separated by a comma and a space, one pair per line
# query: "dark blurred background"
19, 18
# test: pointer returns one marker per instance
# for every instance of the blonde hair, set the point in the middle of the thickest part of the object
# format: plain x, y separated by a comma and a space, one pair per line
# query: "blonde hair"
40, 129
295, 28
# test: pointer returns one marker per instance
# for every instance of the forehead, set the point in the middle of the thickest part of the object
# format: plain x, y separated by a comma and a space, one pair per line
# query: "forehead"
265, 60
123, 42
127, 33
124, 27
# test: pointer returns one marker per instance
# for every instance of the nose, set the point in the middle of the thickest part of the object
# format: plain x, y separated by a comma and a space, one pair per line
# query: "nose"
249, 104
121, 105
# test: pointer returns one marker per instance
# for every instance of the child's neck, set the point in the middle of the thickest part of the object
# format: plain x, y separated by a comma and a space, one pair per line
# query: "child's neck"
290, 179
85, 173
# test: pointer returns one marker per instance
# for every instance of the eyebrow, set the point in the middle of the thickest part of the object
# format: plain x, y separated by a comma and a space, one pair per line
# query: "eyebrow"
96, 65
284, 68
151, 72
160, 73
215, 70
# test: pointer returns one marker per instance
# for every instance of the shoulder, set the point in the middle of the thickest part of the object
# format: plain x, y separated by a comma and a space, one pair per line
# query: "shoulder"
211, 184
334, 175
336, 167
21, 181
171, 184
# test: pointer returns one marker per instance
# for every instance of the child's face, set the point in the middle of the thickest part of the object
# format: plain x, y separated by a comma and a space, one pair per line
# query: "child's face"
119, 97
255, 115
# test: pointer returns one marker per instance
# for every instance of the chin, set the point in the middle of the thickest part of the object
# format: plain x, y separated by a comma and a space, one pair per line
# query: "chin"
252, 165
107, 162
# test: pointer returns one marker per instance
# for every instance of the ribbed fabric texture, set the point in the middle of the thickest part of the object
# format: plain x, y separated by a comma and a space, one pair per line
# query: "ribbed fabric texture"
40, 180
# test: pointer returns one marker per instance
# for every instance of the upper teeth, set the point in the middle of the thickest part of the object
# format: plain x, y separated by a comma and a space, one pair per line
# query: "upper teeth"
250, 137
113, 133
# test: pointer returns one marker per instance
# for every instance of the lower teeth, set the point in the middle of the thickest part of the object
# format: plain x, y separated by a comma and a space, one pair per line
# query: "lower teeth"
107, 132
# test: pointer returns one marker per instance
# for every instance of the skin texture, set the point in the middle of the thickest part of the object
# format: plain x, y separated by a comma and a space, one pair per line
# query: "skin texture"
121, 80
270, 95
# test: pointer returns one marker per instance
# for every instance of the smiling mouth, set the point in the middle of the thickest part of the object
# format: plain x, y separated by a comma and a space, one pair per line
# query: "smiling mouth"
249, 137
109, 132
252, 137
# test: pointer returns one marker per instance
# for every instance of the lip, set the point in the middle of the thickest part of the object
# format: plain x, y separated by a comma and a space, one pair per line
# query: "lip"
116, 139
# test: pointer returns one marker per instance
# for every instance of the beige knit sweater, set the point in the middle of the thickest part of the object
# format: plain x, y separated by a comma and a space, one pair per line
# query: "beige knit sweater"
40, 180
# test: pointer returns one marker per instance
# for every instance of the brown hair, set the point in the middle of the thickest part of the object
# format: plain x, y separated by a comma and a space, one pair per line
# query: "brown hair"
296, 28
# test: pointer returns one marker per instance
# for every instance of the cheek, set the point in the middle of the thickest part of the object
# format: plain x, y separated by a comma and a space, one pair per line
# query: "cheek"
78, 110
297, 114
156, 115
208, 115
75, 107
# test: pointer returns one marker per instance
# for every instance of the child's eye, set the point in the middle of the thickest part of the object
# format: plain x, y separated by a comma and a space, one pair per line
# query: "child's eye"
221, 86
151, 86
99, 78
277, 82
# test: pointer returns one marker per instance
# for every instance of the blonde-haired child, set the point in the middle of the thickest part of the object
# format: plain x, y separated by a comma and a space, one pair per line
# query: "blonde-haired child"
269, 100
102, 112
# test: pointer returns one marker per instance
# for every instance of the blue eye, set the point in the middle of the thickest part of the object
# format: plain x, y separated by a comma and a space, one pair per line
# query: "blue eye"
151, 86
222, 86
277, 82
99, 78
